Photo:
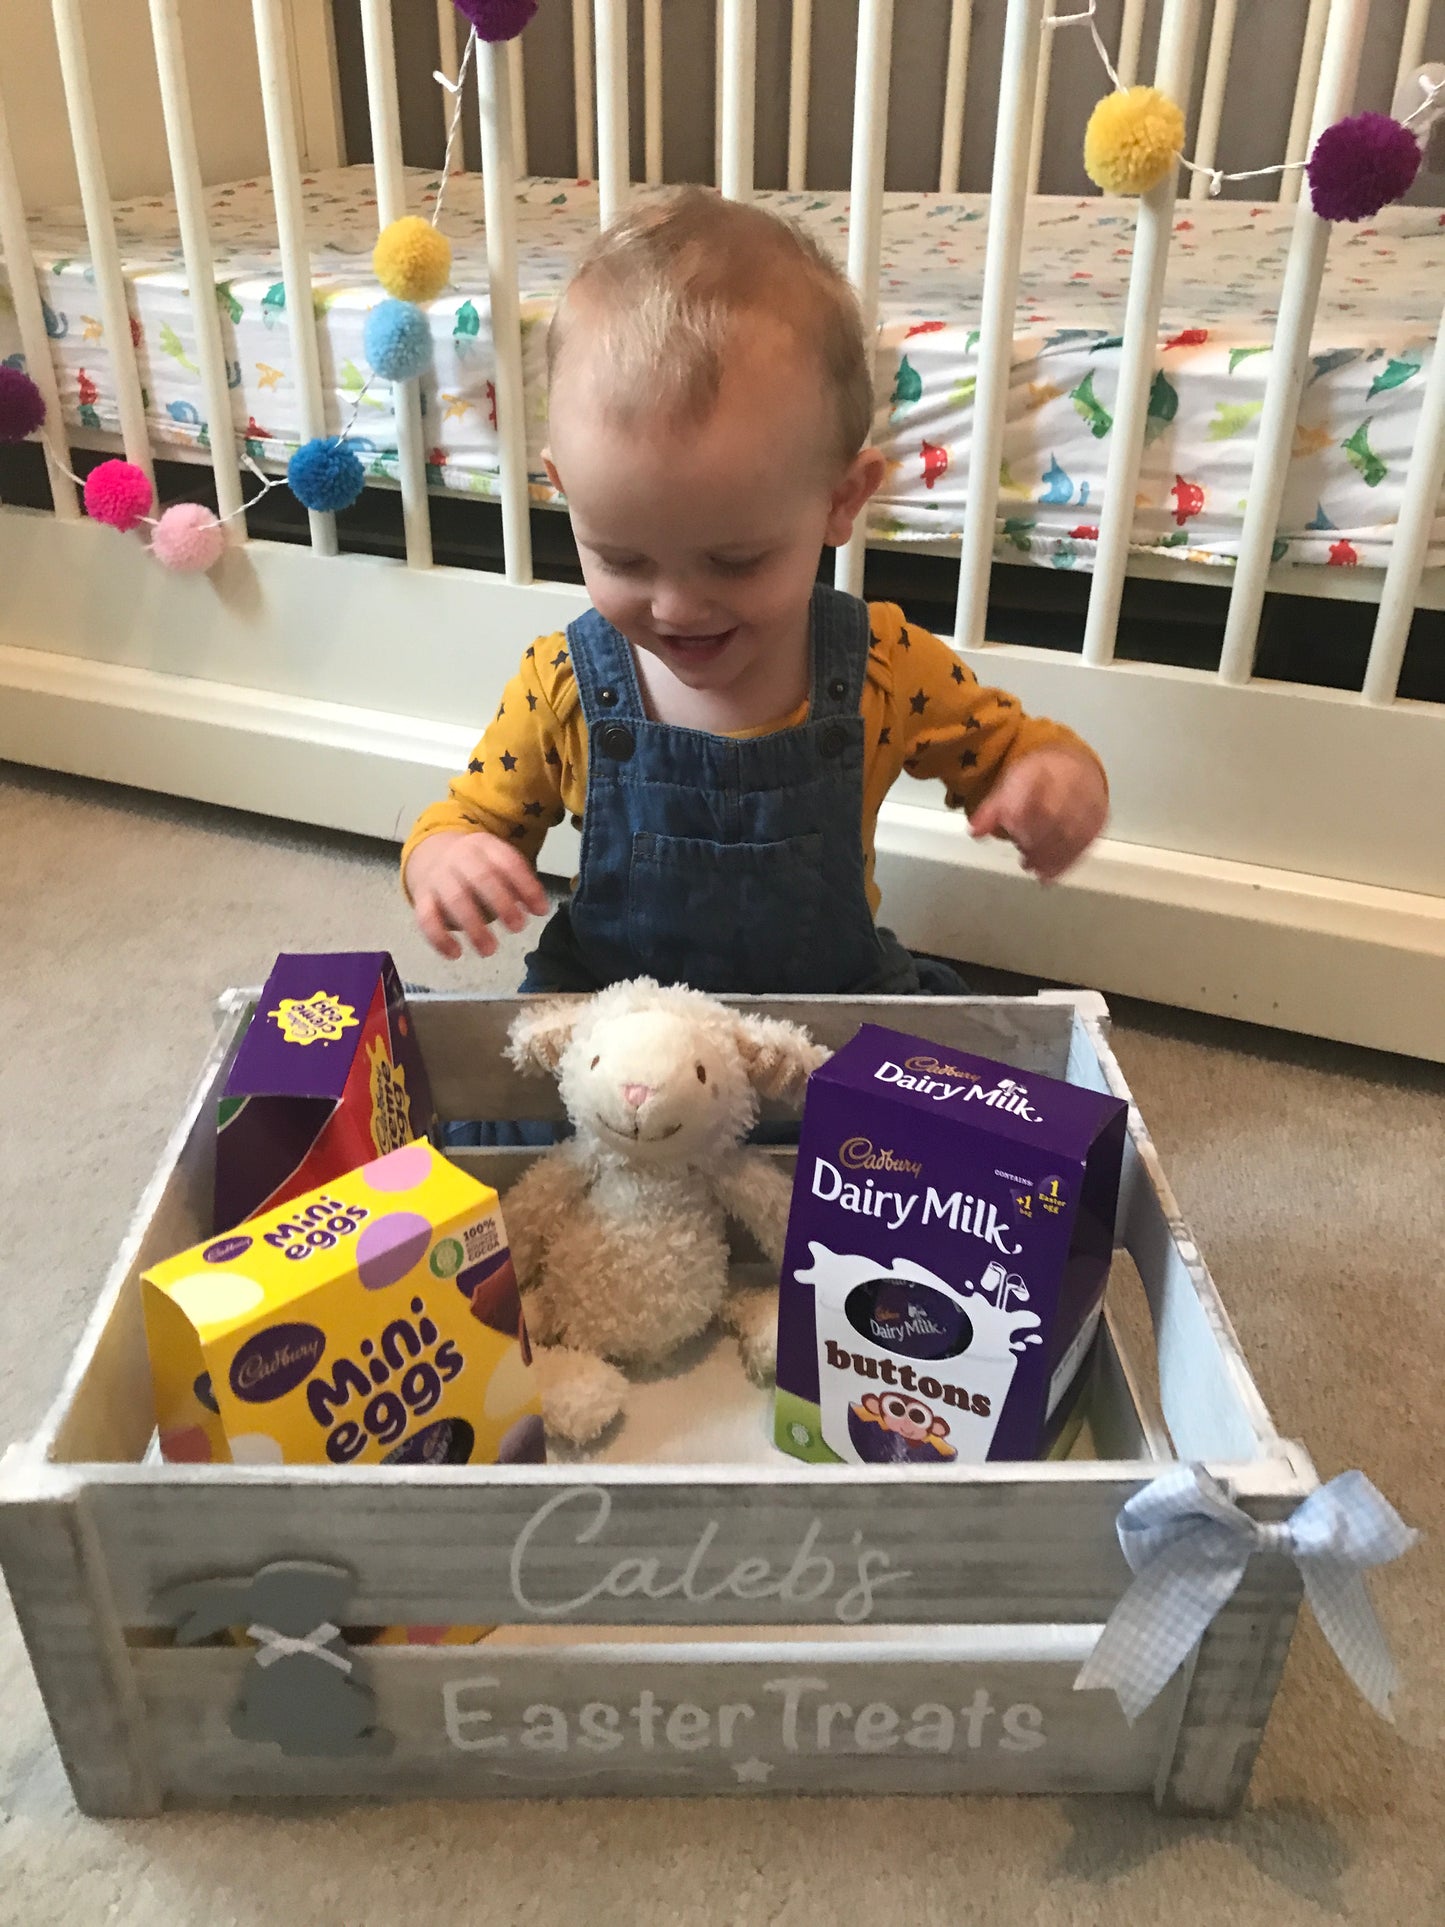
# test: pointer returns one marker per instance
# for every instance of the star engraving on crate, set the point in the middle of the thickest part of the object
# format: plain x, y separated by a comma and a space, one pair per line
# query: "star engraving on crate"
752, 1772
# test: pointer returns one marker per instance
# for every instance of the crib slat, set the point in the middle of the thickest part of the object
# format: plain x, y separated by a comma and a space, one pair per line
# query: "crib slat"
1311, 52
652, 89
1412, 41
1423, 480
25, 292
1131, 36
518, 76
585, 106
1041, 98
740, 68
1211, 107
1289, 358
449, 63
280, 114
950, 159
200, 263
381, 94
499, 191
865, 216
1008, 199
613, 169
1177, 35
800, 78
100, 231
718, 66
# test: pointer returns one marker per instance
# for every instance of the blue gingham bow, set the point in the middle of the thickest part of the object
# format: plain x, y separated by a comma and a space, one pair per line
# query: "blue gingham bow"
1188, 1545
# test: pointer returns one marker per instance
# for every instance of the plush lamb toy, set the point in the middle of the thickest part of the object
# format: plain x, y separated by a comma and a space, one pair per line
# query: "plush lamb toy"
619, 1234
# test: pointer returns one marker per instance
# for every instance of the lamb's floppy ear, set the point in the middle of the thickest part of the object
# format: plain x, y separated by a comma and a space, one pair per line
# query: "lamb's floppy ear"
779, 1057
539, 1036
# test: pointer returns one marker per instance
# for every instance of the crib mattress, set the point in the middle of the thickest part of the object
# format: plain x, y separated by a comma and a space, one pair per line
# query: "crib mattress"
1374, 336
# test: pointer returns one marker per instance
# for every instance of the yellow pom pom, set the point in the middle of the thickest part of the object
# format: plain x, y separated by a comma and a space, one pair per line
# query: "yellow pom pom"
1131, 140
412, 260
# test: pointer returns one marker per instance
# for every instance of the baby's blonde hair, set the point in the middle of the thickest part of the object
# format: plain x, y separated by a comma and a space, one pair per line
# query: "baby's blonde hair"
662, 290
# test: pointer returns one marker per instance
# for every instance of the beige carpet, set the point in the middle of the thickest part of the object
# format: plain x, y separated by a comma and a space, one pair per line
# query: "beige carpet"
1315, 1177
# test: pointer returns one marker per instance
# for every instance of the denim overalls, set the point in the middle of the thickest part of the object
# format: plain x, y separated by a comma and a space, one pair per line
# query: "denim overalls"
730, 866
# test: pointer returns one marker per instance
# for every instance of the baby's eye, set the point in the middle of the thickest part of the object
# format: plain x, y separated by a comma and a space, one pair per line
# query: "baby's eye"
622, 564
738, 564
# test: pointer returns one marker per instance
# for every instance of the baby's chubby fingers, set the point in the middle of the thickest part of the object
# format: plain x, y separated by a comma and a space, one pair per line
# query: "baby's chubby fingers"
433, 926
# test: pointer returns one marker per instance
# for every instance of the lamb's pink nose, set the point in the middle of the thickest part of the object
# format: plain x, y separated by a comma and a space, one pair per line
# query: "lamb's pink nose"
636, 1095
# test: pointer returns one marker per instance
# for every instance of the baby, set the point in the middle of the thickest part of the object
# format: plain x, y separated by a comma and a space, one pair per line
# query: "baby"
725, 727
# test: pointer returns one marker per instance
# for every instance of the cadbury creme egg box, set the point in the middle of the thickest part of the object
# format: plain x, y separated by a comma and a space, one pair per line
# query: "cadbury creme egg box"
328, 1077
374, 1320
949, 1240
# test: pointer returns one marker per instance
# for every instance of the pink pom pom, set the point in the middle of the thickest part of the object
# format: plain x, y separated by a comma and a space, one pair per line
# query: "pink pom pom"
188, 539
118, 493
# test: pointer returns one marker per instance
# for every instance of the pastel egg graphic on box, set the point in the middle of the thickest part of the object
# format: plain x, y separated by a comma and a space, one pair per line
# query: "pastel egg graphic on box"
374, 1320
949, 1240
328, 1077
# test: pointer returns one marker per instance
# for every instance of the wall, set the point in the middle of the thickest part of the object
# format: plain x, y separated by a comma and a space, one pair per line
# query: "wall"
1256, 120
225, 89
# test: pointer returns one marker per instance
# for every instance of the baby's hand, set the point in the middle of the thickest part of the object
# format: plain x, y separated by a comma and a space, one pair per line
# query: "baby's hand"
1051, 803
461, 880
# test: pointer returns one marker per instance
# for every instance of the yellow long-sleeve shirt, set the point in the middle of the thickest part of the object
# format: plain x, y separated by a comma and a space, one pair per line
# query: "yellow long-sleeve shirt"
923, 712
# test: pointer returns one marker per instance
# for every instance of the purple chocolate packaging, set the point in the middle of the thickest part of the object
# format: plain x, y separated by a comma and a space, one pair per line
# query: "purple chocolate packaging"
949, 1241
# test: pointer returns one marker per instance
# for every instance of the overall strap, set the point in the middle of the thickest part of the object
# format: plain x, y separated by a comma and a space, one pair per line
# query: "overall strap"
842, 637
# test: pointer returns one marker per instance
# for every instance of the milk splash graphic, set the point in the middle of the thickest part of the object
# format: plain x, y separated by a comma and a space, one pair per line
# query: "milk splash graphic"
912, 1369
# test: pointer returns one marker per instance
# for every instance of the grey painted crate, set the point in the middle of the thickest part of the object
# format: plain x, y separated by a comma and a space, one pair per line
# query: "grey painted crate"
664, 1627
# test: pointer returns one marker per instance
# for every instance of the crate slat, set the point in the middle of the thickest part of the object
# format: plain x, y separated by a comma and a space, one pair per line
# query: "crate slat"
478, 1721
688, 1545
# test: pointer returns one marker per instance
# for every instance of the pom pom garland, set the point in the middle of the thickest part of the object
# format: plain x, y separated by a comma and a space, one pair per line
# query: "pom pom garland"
188, 538
496, 19
397, 340
1131, 140
1360, 165
22, 407
118, 493
412, 260
324, 475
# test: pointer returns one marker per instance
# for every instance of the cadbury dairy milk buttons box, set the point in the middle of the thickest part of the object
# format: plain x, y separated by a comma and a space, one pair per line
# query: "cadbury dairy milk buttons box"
328, 1077
948, 1245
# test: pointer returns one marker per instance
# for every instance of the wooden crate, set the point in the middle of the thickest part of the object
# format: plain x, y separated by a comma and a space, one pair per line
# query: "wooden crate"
665, 1627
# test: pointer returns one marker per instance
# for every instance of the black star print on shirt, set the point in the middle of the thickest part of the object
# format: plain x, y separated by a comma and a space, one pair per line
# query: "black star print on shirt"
531, 651
501, 711
968, 760
918, 703
517, 831
884, 735
531, 700
973, 723
509, 761
531, 809
903, 642
957, 672
559, 658
476, 766
553, 758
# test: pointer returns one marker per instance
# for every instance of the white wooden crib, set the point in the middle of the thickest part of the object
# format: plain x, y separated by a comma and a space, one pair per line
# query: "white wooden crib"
1275, 851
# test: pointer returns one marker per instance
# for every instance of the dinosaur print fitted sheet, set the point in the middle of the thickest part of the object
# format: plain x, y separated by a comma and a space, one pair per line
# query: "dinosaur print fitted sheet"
1374, 335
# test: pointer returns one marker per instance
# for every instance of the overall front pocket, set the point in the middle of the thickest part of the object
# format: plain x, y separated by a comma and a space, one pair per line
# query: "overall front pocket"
741, 917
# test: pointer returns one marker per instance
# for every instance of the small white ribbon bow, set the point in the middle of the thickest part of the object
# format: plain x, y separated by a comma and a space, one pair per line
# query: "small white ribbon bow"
274, 1645
1188, 1545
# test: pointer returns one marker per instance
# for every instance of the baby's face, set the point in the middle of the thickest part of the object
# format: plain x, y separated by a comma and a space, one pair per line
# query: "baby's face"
700, 543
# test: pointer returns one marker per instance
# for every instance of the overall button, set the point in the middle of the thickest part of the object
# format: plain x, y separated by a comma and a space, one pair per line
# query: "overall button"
615, 740
607, 698
834, 740
837, 689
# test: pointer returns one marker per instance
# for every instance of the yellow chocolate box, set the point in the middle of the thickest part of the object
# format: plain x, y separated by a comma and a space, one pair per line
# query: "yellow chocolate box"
374, 1320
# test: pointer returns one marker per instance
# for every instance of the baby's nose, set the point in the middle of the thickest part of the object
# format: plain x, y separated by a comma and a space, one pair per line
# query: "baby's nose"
636, 1095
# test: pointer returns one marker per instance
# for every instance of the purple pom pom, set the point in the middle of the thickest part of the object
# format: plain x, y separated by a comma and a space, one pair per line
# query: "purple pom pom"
1360, 165
21, 408
497, 19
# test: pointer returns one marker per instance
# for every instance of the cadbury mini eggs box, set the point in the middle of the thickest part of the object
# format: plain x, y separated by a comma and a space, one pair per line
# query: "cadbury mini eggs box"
328, 1077
948, 1245
374, 1320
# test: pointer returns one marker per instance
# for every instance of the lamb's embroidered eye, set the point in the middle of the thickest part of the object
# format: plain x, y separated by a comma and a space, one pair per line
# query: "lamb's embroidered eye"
701, 1075
595, 1062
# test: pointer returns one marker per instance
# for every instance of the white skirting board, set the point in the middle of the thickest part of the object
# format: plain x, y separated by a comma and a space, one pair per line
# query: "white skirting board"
345, 692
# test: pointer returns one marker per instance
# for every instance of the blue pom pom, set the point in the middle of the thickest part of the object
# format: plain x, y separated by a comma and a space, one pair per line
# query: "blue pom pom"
325, 475
397, 340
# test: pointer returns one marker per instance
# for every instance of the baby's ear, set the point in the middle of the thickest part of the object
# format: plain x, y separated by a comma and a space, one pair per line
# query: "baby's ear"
538, 1037
779, 1057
